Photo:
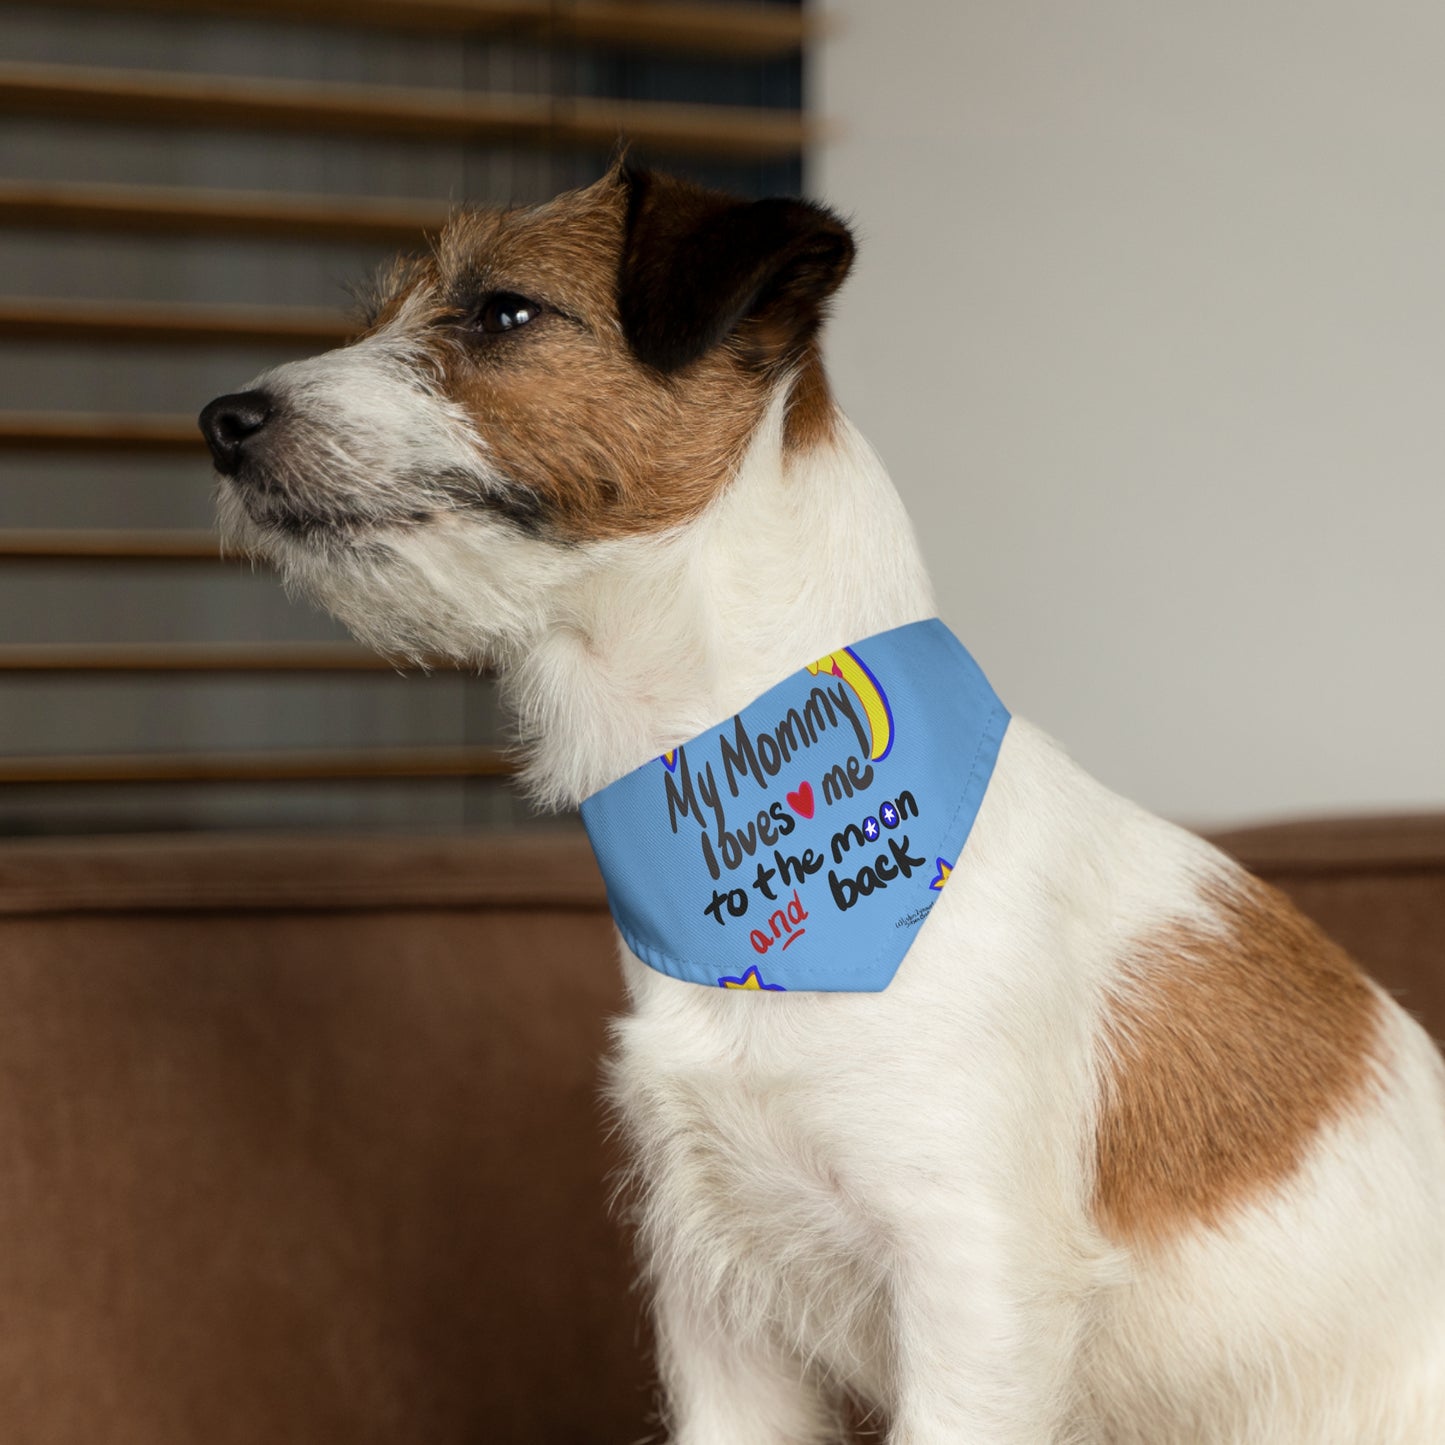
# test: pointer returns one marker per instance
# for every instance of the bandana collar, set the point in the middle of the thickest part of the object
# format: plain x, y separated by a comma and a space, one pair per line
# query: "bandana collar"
801, 844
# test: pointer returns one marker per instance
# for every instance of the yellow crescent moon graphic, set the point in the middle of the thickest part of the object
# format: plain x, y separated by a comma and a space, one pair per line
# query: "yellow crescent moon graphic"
848, 667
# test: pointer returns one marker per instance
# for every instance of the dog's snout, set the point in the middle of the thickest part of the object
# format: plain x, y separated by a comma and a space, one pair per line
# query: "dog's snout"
229, 422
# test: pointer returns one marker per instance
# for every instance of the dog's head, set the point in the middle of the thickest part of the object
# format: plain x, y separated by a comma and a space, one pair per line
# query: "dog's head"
546, 383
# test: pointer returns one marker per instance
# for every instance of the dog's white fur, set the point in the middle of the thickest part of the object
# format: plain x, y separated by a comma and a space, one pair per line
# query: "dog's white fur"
890, 1194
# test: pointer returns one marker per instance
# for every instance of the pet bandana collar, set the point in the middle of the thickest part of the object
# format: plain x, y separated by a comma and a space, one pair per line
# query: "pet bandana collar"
800, 844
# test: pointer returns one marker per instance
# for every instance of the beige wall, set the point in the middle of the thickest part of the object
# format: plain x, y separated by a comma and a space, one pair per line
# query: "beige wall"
1149, 324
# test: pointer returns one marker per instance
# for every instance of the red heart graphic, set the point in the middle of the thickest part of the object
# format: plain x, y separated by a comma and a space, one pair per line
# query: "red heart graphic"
801, 802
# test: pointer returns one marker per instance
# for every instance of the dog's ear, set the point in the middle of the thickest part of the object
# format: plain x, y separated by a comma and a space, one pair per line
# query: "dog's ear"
698, 267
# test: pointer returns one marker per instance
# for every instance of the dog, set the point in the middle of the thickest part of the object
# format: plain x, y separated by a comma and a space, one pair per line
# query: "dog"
1126, 1152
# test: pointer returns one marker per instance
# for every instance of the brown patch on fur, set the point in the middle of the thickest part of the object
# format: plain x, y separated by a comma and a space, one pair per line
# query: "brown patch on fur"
1227, 1052
601, 445
812, 418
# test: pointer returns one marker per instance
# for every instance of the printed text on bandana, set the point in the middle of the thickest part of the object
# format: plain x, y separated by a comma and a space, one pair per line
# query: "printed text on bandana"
785, 811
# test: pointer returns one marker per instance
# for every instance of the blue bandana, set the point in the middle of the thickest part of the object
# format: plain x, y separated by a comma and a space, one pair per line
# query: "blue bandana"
801, 844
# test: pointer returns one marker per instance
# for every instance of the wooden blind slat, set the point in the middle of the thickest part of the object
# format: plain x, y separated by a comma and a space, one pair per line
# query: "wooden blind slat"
76, 544
357, 764
172, 210
756, 32
84, 431
170, 323
703, 29
216, 101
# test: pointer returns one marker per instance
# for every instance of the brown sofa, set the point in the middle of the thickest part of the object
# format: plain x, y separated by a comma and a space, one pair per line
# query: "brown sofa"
300, 1142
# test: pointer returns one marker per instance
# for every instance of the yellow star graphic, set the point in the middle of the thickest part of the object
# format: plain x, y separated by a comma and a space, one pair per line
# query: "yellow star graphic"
750, 980
945, 871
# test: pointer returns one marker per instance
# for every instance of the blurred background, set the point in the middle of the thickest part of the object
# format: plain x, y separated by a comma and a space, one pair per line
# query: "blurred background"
188, 193
1148, 322
1149, 325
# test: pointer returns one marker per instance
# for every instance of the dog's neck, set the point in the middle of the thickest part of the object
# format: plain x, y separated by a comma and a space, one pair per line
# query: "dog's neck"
664, 637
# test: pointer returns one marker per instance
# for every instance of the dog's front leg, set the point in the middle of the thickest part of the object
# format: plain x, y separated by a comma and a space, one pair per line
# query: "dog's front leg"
985, 1344
722, 1387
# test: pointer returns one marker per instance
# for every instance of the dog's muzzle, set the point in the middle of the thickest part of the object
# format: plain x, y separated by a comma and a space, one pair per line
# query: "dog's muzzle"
231, 424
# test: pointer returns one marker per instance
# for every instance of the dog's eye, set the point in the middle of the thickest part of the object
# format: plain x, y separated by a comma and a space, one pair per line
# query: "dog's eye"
505, 311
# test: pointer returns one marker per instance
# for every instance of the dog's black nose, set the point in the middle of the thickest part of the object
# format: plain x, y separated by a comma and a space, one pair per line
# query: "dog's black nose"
229, 422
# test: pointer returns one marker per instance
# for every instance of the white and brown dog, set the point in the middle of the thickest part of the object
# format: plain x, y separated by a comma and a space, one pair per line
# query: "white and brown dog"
1127, 1152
